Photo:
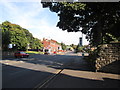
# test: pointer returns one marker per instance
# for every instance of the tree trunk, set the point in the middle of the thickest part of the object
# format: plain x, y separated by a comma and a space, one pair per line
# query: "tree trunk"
99, 33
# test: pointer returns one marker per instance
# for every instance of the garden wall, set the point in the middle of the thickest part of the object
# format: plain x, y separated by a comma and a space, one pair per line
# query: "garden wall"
104, 55
107, 54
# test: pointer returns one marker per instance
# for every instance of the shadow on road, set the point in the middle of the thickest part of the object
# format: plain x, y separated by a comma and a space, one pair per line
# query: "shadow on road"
28, 78
67, 81
113, 67
18, 77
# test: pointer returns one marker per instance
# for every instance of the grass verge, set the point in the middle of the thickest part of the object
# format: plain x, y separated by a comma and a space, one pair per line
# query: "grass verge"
34, 52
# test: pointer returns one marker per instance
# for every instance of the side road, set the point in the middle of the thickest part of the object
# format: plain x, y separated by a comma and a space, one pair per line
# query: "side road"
79, 75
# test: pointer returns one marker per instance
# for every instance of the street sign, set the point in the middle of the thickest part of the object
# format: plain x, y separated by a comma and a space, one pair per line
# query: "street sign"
10, 46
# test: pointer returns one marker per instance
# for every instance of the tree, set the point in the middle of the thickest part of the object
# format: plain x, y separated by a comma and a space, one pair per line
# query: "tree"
63, 46
79, 48
15, 34
36, 44
5, 35
96, 19
73, 46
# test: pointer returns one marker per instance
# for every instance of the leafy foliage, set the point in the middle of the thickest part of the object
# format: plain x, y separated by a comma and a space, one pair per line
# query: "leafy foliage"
15, 34
36, 44
95, 18
63, 46
73, 46
79, 48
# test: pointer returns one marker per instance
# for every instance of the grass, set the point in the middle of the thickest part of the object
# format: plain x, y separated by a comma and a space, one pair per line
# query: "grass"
34, 52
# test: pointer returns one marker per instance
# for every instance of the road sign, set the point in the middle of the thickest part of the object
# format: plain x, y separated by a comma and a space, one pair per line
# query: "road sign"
10, 46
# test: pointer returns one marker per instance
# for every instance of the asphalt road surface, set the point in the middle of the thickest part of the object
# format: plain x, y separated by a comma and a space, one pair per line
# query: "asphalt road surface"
33, 71
54, 71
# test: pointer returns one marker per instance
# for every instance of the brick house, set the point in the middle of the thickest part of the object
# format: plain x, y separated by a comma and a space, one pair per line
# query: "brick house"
51, 45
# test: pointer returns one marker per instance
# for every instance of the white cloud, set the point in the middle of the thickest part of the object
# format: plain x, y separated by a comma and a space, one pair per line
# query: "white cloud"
59, 35
28, 16
20, 0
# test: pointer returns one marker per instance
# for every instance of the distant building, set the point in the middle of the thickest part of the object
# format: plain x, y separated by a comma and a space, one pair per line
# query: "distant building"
51, 45
80, 41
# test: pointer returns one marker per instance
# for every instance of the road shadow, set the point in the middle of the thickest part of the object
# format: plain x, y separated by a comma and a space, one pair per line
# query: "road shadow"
18, 77
113, 68
67, 81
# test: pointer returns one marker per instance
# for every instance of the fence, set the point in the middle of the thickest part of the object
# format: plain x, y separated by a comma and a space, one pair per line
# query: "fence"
7, 54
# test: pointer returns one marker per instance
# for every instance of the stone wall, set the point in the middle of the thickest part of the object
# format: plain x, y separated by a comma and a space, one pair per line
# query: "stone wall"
104, 56
107, 54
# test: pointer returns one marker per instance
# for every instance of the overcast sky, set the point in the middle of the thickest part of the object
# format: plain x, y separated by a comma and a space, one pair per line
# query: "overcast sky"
41, 22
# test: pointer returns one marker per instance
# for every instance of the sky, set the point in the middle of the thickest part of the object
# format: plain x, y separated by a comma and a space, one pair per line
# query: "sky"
41, 22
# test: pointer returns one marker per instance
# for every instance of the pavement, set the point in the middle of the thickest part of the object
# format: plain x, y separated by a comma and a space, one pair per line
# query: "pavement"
79, 75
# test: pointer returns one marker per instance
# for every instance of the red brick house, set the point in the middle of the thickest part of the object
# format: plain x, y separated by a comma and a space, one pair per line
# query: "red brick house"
51, 45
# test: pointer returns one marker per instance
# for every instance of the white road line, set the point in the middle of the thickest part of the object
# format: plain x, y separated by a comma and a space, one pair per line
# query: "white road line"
41, 85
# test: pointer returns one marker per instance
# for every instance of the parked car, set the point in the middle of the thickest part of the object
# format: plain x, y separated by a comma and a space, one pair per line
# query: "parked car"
21, 54
55, 52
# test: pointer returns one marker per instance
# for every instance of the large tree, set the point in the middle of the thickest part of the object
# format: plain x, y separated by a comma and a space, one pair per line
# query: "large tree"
15, 34
34, 43
99, 20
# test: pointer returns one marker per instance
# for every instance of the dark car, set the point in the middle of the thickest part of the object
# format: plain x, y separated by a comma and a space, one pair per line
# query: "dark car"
21, 54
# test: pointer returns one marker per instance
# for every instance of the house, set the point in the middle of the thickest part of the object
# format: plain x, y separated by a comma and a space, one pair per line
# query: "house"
51, 45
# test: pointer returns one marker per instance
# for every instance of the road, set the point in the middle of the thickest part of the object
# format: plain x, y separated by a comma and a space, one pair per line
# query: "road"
54, 71
33, 71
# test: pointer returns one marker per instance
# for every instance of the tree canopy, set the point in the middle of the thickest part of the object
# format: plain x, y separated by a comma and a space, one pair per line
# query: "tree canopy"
15, 34
100, 21
63, 46
73, 46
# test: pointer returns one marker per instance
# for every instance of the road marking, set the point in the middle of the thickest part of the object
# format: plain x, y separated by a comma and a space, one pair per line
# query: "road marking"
45, 82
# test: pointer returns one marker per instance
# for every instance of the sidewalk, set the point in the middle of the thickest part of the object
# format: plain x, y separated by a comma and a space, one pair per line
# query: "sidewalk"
78, 75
